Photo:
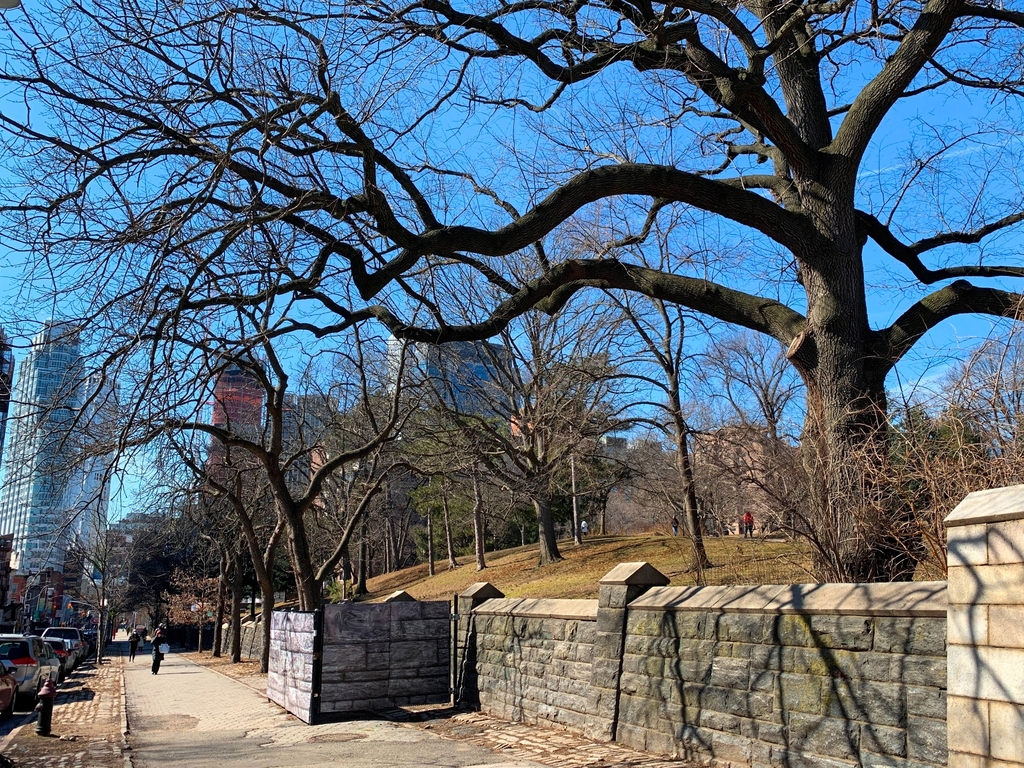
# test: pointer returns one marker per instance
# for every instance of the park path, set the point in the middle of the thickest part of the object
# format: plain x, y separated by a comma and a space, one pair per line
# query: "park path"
191, 716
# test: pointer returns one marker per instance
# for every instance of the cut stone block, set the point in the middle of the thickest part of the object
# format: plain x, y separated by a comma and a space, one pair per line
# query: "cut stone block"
991, 506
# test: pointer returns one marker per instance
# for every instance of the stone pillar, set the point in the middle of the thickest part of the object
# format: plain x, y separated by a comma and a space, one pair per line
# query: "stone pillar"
464, 680
623, 584
985, 620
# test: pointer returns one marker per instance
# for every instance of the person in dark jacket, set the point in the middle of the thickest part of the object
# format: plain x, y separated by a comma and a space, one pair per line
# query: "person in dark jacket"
133, 645
158, 640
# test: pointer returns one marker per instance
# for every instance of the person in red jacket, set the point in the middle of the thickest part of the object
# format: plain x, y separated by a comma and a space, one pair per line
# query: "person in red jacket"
748, 525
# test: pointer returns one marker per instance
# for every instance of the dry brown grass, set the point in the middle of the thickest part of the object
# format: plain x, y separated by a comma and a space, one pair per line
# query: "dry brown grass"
516, 573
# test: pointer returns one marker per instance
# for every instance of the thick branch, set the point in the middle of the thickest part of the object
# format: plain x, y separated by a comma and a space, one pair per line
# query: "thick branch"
959, 298
875, 100
657, 181
552, 291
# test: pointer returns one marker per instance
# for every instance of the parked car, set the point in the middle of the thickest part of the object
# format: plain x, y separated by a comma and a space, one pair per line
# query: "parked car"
8, 689
77, 636
34, 662
91, 642
65, 653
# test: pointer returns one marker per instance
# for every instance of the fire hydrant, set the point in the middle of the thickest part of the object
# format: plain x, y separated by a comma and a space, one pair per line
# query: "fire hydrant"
47, 693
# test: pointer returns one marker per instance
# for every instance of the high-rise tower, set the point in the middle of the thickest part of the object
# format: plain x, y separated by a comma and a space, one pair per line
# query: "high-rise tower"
48, 469
237, 408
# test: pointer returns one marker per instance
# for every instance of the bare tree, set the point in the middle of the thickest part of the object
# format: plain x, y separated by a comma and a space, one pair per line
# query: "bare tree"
520, 409
157, 142
661, 330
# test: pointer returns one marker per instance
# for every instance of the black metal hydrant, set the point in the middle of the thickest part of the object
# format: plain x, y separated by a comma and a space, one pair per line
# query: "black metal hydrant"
44, 706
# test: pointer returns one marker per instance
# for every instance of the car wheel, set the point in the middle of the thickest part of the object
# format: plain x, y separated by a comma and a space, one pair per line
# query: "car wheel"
22, 701
9, 709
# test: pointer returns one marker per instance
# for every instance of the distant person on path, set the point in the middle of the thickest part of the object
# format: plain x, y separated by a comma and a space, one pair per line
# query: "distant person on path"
748, 525
584, 528
133, 645
158, 640
675, 526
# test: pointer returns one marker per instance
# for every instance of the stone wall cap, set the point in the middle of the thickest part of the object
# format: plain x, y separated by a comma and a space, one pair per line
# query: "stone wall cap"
399, 596
635, 574
922, 598
482, 590
541, 608
994, 505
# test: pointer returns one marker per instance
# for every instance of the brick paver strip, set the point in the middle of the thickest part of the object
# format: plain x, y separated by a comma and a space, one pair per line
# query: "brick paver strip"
85, 730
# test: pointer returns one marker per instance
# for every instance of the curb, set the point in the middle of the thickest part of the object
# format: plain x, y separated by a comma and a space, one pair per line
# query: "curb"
15, 731
126, 750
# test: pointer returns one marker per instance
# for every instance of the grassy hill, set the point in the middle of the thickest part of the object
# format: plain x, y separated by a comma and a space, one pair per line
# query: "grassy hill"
516, 573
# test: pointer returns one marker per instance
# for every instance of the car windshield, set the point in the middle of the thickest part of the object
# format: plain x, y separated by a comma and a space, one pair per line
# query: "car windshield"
14, 650
57, 645
70, 634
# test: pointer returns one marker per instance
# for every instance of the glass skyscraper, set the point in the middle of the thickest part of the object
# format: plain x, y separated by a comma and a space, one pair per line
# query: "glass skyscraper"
51, 487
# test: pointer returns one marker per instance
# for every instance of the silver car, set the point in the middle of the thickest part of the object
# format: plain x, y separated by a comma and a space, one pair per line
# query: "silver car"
75, 635
34, 661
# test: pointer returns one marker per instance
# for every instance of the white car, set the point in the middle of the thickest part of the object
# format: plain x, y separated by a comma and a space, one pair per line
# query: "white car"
78, 644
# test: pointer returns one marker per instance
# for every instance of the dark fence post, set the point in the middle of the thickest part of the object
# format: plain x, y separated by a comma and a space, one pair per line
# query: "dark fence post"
318, 665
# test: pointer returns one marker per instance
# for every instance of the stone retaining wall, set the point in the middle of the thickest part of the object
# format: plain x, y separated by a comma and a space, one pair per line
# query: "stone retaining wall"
761, 676
252, 639
830, 674
533, 660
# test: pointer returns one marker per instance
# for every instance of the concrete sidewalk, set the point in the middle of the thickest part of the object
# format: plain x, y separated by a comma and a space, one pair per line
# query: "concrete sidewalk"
190, 716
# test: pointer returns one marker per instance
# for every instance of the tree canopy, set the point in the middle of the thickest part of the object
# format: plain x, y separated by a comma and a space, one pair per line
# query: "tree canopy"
442, 169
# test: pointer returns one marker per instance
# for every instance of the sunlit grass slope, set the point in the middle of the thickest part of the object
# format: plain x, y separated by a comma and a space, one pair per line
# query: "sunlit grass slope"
516, 573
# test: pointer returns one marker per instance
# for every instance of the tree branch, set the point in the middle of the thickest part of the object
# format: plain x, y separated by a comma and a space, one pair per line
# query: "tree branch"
908, 255
959, 298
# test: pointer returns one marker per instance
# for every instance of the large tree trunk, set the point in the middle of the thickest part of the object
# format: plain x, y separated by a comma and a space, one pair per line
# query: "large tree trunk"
859, 531
266, 616
546, 530
306, 584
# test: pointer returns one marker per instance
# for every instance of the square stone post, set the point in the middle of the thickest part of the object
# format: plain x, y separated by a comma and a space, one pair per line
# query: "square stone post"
985, 620
622, 584
463, 663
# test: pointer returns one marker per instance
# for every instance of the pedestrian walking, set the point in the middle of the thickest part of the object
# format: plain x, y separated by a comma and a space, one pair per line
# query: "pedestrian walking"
584, 528
675, 526
158, 655
133, 644
748, 525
